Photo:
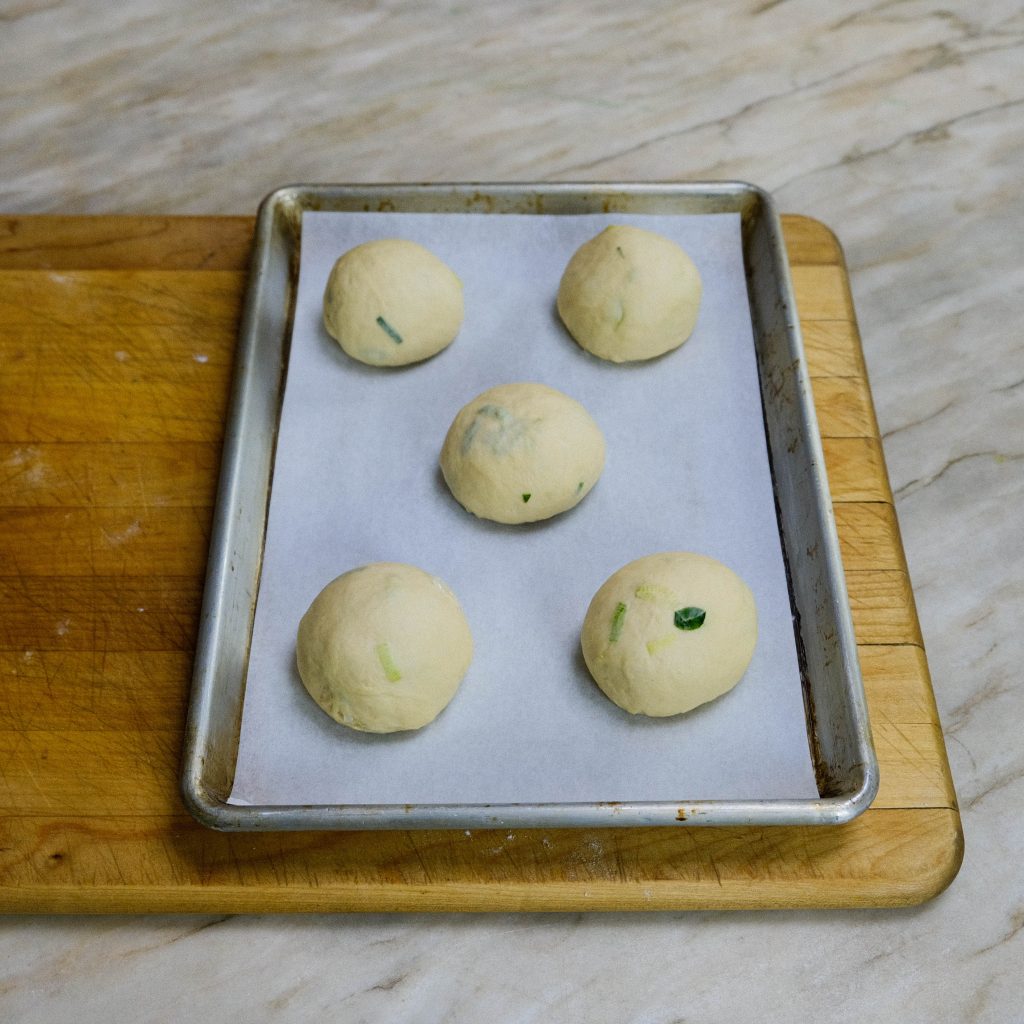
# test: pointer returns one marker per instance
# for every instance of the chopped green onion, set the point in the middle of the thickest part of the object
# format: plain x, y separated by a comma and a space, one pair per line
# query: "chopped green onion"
618, 249
389, 330
579, 487
387, 663
652, 592
653, 646
689, 618
500, 437
618, 617
526, 498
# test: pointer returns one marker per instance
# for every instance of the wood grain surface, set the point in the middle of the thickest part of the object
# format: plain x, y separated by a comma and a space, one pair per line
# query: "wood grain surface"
116, 340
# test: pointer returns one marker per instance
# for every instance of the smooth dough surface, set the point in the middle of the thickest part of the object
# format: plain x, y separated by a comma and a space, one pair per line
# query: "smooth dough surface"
519, 453
629, 294
384, 647
392, 302
639, 640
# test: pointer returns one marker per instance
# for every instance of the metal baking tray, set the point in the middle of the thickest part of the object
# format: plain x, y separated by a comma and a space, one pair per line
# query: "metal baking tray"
837, 724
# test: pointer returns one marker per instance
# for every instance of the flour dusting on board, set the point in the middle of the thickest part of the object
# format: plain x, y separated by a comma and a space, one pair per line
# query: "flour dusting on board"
118, 537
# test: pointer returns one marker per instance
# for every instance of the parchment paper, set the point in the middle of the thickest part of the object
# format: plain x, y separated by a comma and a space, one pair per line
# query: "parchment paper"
356, 481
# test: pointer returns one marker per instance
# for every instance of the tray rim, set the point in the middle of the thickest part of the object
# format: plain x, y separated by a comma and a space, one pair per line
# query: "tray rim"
279, 220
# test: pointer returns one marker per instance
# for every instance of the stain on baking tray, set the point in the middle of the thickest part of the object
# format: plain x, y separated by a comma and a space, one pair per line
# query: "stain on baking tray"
827, 785
480, 201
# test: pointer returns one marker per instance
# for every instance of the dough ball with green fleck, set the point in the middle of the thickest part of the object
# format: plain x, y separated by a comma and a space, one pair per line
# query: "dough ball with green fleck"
669, 632
629, 294
519, 453
384, 647
392, 302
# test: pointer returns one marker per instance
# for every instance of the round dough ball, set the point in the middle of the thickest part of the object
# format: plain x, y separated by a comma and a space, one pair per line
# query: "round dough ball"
392, 302
384, 647
629, 294
669, 632
519, 453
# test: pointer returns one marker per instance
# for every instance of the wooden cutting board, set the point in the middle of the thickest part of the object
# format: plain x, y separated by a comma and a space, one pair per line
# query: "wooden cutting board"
116, 340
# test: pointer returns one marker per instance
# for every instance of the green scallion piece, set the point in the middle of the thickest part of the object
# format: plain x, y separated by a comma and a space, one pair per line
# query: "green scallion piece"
526, 498
387, 663
653, 646
689, 618
618, 618
389, 330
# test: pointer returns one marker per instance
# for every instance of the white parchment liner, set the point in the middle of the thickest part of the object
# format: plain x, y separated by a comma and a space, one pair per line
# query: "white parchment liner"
356, 481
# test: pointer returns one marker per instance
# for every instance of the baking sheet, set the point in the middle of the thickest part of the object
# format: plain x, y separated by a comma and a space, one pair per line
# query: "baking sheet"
356, 480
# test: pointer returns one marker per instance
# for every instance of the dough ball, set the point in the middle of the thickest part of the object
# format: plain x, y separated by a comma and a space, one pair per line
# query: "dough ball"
519, 453
384, 648
669, 632
629, 294
392, 302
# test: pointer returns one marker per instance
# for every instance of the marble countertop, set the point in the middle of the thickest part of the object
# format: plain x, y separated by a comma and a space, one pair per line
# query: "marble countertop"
901, 125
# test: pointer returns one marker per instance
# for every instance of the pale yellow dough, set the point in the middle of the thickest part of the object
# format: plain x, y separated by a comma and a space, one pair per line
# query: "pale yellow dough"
629, 294
519, 453
643, 660
392, 302
384, 647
